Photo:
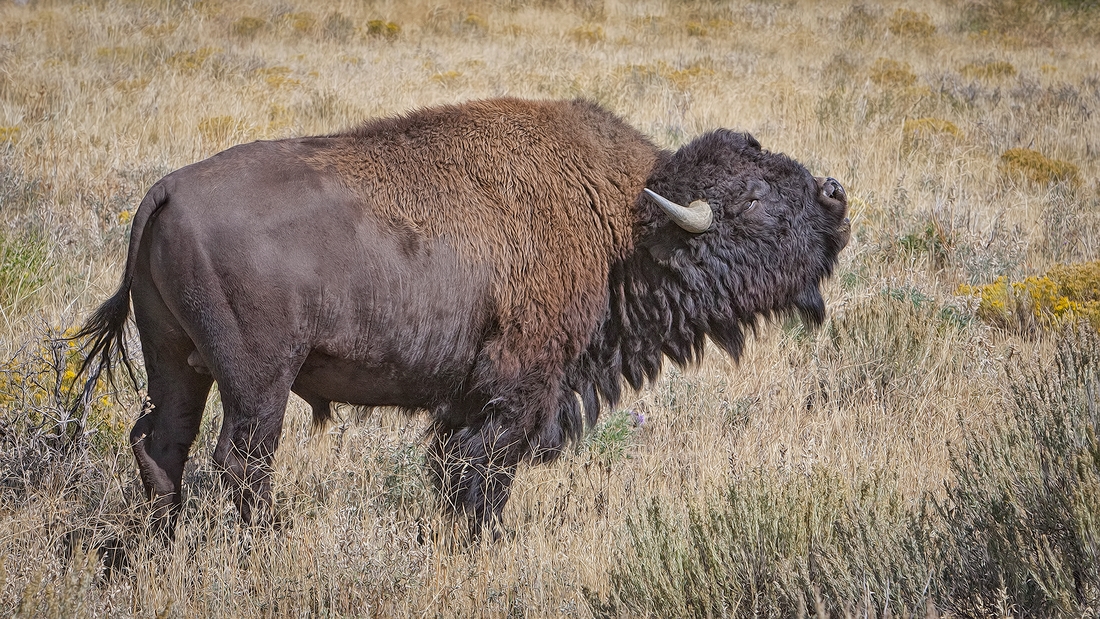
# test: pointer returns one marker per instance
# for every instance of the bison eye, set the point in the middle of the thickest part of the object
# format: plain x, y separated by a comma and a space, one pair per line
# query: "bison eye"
757, 189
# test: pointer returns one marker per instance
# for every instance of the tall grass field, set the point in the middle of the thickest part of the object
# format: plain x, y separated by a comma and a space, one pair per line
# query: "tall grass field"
931, 450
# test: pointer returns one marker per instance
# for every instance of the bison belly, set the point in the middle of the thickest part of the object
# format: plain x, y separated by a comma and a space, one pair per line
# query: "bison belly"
404, 343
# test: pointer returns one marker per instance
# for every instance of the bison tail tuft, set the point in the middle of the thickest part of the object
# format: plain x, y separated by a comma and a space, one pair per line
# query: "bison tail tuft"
107, 332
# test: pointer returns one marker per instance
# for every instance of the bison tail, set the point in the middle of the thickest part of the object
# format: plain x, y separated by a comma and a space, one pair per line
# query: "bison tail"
107, 332
107, 326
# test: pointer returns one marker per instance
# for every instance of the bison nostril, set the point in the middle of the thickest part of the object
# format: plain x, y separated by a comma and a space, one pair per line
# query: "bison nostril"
833, 189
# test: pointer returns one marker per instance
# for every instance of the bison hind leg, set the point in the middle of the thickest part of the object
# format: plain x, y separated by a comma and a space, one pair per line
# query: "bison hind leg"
162, 436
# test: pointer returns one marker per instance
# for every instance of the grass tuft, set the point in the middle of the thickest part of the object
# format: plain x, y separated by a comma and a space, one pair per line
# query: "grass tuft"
383, 28
913, 24
219, 129
474, 23
338, 26
695, 29
191, 61
1039, 168
248, 27
892, 73
302, 22
993, 69
928, 134
831, 471
275, 77
588, 34
25, 264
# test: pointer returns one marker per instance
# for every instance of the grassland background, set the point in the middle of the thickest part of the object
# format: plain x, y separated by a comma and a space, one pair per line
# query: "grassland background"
913, 106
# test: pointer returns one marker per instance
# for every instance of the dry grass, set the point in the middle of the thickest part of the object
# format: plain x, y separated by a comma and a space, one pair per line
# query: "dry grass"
915, 111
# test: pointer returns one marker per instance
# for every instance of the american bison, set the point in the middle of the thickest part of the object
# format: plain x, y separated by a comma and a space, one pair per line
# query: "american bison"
502, 264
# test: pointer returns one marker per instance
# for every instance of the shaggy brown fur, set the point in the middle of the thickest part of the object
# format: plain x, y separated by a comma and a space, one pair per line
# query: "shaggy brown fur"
493, 262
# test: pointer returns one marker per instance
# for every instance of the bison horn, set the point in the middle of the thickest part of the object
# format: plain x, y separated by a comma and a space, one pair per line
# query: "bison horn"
696, 217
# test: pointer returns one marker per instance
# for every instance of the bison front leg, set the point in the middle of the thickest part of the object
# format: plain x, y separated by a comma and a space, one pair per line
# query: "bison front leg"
473, 469
247, 476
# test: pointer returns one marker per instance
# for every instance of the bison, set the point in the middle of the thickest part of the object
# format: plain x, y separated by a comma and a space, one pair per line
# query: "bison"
502, 264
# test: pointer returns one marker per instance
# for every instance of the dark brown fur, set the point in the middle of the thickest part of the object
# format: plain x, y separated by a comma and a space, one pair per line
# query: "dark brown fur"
494, 263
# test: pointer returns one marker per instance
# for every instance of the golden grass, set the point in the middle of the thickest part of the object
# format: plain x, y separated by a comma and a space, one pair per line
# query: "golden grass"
907, 23
1038, 167
989, 70
98, 100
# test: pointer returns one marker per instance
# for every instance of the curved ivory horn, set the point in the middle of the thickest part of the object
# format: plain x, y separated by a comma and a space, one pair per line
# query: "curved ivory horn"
696, 217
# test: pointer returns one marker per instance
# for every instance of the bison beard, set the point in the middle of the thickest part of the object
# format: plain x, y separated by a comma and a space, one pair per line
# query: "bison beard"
495, 263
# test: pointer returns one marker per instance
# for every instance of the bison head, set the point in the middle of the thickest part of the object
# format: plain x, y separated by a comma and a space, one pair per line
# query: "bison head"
758, 236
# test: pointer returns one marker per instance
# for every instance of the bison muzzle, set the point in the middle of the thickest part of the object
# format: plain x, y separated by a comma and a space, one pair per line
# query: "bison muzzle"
502, 264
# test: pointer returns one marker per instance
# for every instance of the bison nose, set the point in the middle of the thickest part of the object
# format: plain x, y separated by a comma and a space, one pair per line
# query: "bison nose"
831, 196
831, 188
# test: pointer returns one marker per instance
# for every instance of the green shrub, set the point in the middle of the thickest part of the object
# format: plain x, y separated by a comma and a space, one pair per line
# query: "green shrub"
405, 480
608, 442
1017, 529
43, 421
1021, 521
1028, 20
772, 545
24, 265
